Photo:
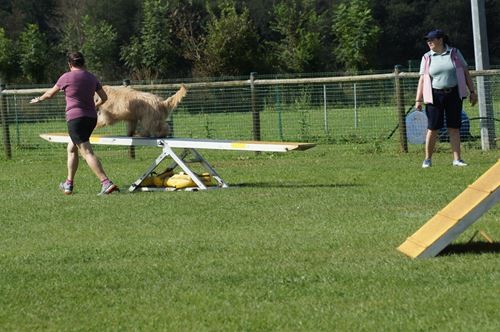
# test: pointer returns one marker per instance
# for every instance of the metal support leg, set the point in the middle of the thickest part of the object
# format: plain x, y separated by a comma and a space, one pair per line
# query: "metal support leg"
173, 165
185, 168
179, 160
209, 168
155, 164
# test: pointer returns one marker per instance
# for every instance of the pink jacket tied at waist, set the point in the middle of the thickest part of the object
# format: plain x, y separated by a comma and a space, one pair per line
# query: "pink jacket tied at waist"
459, 69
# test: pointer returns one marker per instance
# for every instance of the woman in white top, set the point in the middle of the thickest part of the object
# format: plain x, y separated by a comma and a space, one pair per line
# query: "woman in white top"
444, 80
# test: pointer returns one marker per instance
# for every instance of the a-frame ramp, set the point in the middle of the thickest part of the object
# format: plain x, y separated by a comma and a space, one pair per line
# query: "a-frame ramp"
459, 214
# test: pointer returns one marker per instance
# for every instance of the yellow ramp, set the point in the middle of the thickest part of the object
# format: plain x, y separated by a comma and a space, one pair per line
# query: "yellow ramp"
459, 214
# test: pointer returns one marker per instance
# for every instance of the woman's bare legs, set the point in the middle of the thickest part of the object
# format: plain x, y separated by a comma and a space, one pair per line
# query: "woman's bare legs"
91, 159
455, 142
430, 143
72, 160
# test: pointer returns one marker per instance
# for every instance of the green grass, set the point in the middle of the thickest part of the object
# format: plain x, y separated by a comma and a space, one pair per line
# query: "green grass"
302, 242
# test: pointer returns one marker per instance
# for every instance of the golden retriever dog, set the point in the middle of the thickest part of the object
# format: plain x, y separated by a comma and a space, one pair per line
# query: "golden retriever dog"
145, 113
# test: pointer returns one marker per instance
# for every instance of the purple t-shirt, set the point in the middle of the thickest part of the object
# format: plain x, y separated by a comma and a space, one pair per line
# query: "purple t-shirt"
79, 87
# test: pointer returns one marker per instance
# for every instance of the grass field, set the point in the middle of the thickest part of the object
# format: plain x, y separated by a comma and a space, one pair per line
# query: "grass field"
301, 242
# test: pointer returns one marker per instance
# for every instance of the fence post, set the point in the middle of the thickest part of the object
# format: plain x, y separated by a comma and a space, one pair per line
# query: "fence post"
486, 112
255, 111
278, 109
400, 106
5, 123
131, 149
355, 105
325, 111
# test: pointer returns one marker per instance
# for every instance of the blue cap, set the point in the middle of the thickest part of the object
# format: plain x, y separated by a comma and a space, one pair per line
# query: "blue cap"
434, 34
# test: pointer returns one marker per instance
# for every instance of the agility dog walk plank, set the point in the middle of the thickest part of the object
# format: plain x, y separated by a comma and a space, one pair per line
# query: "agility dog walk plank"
188, 143
189, 148
459, 214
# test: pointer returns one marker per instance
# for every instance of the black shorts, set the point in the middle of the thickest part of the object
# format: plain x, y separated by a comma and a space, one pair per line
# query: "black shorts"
446, 109
80, 129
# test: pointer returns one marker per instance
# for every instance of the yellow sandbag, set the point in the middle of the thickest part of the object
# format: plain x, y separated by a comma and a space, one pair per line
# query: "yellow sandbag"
206, 178
158, 182
182, 180
148, 182
179, 181
153, 181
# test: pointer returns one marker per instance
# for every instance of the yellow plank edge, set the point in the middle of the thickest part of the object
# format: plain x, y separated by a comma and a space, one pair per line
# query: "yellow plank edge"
431, 231
411, 249
447, 221
490, 180
464, 203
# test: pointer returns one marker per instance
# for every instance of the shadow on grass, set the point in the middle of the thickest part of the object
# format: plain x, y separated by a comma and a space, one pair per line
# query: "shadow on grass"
475, 248
294, 185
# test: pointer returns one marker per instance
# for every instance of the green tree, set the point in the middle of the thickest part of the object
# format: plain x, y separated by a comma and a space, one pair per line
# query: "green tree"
356, 33
33, 50
7, 56
120, 14
230, 45
99, 47
97, 40
150, 54
190, 21
401, 30
300, 34
15, 14
71, 28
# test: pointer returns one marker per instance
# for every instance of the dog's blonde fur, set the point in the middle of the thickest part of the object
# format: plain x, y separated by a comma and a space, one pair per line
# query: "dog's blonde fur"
145, 113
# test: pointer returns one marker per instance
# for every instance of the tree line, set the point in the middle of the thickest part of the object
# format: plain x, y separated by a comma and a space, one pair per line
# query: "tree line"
160, 39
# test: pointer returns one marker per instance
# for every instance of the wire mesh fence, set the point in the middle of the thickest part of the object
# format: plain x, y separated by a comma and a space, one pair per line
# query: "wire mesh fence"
329, 109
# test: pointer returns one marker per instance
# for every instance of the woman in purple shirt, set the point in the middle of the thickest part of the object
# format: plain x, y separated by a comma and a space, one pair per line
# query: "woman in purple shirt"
79, 86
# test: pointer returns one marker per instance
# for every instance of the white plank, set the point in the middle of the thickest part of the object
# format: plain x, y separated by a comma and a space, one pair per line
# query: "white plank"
190, 143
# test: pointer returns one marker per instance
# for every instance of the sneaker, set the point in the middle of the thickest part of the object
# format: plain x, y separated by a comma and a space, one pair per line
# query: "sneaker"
108, 188
427, 163
459, 163
66, 188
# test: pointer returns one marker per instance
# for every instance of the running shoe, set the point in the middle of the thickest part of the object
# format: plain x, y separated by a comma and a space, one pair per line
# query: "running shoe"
459, 163
108, 188
427, 163
66, 188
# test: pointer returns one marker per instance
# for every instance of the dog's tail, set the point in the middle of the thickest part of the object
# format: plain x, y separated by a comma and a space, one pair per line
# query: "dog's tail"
171, 102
